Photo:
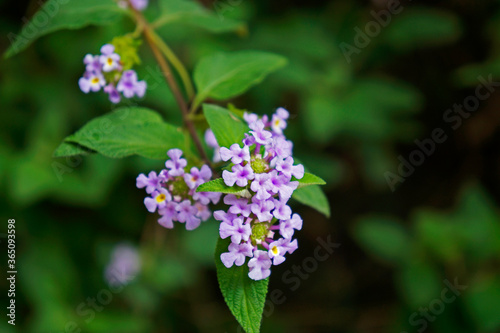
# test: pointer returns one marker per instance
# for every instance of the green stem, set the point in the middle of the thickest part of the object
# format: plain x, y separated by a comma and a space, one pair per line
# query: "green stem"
176, 63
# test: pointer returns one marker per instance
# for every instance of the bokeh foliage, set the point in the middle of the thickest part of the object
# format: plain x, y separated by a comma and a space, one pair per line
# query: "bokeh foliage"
350, 122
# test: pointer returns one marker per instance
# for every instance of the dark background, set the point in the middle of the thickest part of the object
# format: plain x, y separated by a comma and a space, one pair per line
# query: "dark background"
350, 123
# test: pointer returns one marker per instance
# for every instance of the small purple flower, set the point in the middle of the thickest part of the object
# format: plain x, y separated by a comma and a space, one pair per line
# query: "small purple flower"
236, 255
262, 209
130, 86
204, 212
109, 60
151, 182
92, 63
91, 81
158, 200
168, 215
259, 265
250, 118
206, 197
281, 147
261, 136
286, 167
197, 177
238, 206
282, 113
237, 230
281, 210
277, 251
287, 226
139, 4
221, 215
212, 142
176, 164
278, 124
261, 186
235, 153
239, 175
114, 95
187, 213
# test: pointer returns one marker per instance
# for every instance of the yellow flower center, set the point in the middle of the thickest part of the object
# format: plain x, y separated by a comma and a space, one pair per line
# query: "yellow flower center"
277, 122
110, 61
160, 198
95, 80
275, 250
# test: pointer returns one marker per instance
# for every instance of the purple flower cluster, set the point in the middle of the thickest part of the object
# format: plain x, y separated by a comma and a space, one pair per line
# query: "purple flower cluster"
259, 222
173, 192
105, 71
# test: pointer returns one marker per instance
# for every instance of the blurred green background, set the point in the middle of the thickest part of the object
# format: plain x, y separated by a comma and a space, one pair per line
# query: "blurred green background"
351, 120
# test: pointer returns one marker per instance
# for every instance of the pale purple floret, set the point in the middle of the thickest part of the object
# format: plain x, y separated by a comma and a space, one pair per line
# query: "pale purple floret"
259, 265
250, 118
262, 209
261, 135
168, 215
277, 250
92, 63
282, 113
286, 167
237, 205
288, 227
281, 147
114, 95
239, 175
91, 81
124, 265
212, 142
129, 86
236, 255
237, 230
261, 186
207, 197
235, 153
176, 164
197, 177
151, 182
281, 210
109, 60
158, 200
221, 215
204, 212
187, 213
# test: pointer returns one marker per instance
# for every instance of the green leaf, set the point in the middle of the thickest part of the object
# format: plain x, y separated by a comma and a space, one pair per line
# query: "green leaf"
418, 282
313, 197
227, 127
244, 296
66, 149
226, 75
310, 179
218, 185
193, 13
483, 301
127, 131
384, 238
72, 14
